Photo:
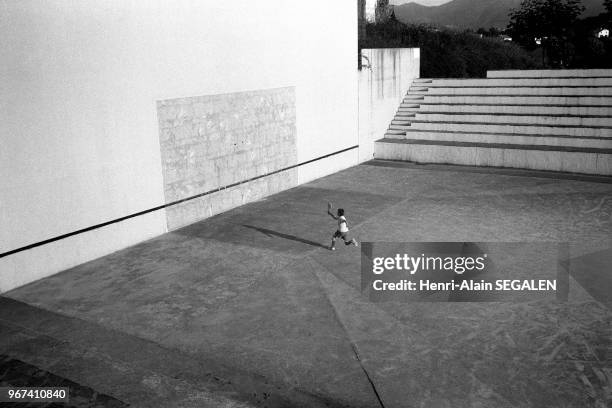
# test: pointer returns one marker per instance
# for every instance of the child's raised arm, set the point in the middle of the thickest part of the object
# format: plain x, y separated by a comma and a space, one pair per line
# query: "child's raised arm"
329, 208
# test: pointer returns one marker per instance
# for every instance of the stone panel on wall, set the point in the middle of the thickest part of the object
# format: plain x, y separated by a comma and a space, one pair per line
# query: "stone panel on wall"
214, 141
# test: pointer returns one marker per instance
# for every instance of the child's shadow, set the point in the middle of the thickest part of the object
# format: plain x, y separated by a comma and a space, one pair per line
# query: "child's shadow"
285, 236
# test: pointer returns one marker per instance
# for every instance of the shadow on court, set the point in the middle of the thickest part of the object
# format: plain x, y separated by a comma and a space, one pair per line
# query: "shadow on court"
271, 233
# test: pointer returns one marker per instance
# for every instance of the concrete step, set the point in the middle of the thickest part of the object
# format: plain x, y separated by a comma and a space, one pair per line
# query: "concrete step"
552, 158
497, 138
539, 119
422, 81
551, 73
394, 132
605, 111
408, 111
404, 114
601, 101
515, 119
519, 82
517, 91
412, 97
400, 121
579, 131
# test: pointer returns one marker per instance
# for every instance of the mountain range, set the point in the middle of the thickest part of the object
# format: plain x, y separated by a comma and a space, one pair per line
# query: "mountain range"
472, 13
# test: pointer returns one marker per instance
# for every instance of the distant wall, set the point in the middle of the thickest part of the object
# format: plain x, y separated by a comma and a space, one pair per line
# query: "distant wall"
381, 89
79, 128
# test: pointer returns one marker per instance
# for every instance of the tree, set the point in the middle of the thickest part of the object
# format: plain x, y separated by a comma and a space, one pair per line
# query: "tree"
361, 18
383, 11
608, 14
392, 16
361, 23
550, 21
544, 18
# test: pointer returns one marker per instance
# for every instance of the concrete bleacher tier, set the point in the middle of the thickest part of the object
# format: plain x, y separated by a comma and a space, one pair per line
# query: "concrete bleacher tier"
557, 120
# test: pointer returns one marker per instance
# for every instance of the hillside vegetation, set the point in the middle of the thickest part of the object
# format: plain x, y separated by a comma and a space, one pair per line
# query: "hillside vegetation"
450, 54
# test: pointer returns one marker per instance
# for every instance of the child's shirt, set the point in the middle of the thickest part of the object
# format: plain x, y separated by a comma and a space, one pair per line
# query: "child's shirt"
342, 224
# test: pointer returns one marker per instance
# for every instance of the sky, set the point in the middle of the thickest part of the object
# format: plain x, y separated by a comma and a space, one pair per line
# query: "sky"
423, 2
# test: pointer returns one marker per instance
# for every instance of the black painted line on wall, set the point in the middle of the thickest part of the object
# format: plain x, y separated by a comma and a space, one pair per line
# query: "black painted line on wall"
160, 207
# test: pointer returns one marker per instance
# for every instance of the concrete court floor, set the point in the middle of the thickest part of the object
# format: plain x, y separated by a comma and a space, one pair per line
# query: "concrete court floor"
249, 309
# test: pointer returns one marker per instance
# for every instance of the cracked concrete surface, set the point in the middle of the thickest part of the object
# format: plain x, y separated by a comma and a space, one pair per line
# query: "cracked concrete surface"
249, 308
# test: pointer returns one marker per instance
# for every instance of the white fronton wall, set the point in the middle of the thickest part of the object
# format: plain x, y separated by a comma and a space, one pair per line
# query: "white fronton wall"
79, 81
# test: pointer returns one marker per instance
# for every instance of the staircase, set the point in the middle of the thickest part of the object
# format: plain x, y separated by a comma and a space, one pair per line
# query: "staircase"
557, 120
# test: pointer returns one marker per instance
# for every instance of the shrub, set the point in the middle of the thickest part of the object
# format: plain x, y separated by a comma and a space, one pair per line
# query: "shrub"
450, 54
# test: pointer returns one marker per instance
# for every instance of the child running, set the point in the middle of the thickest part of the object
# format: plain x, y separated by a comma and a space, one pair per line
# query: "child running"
343, 229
